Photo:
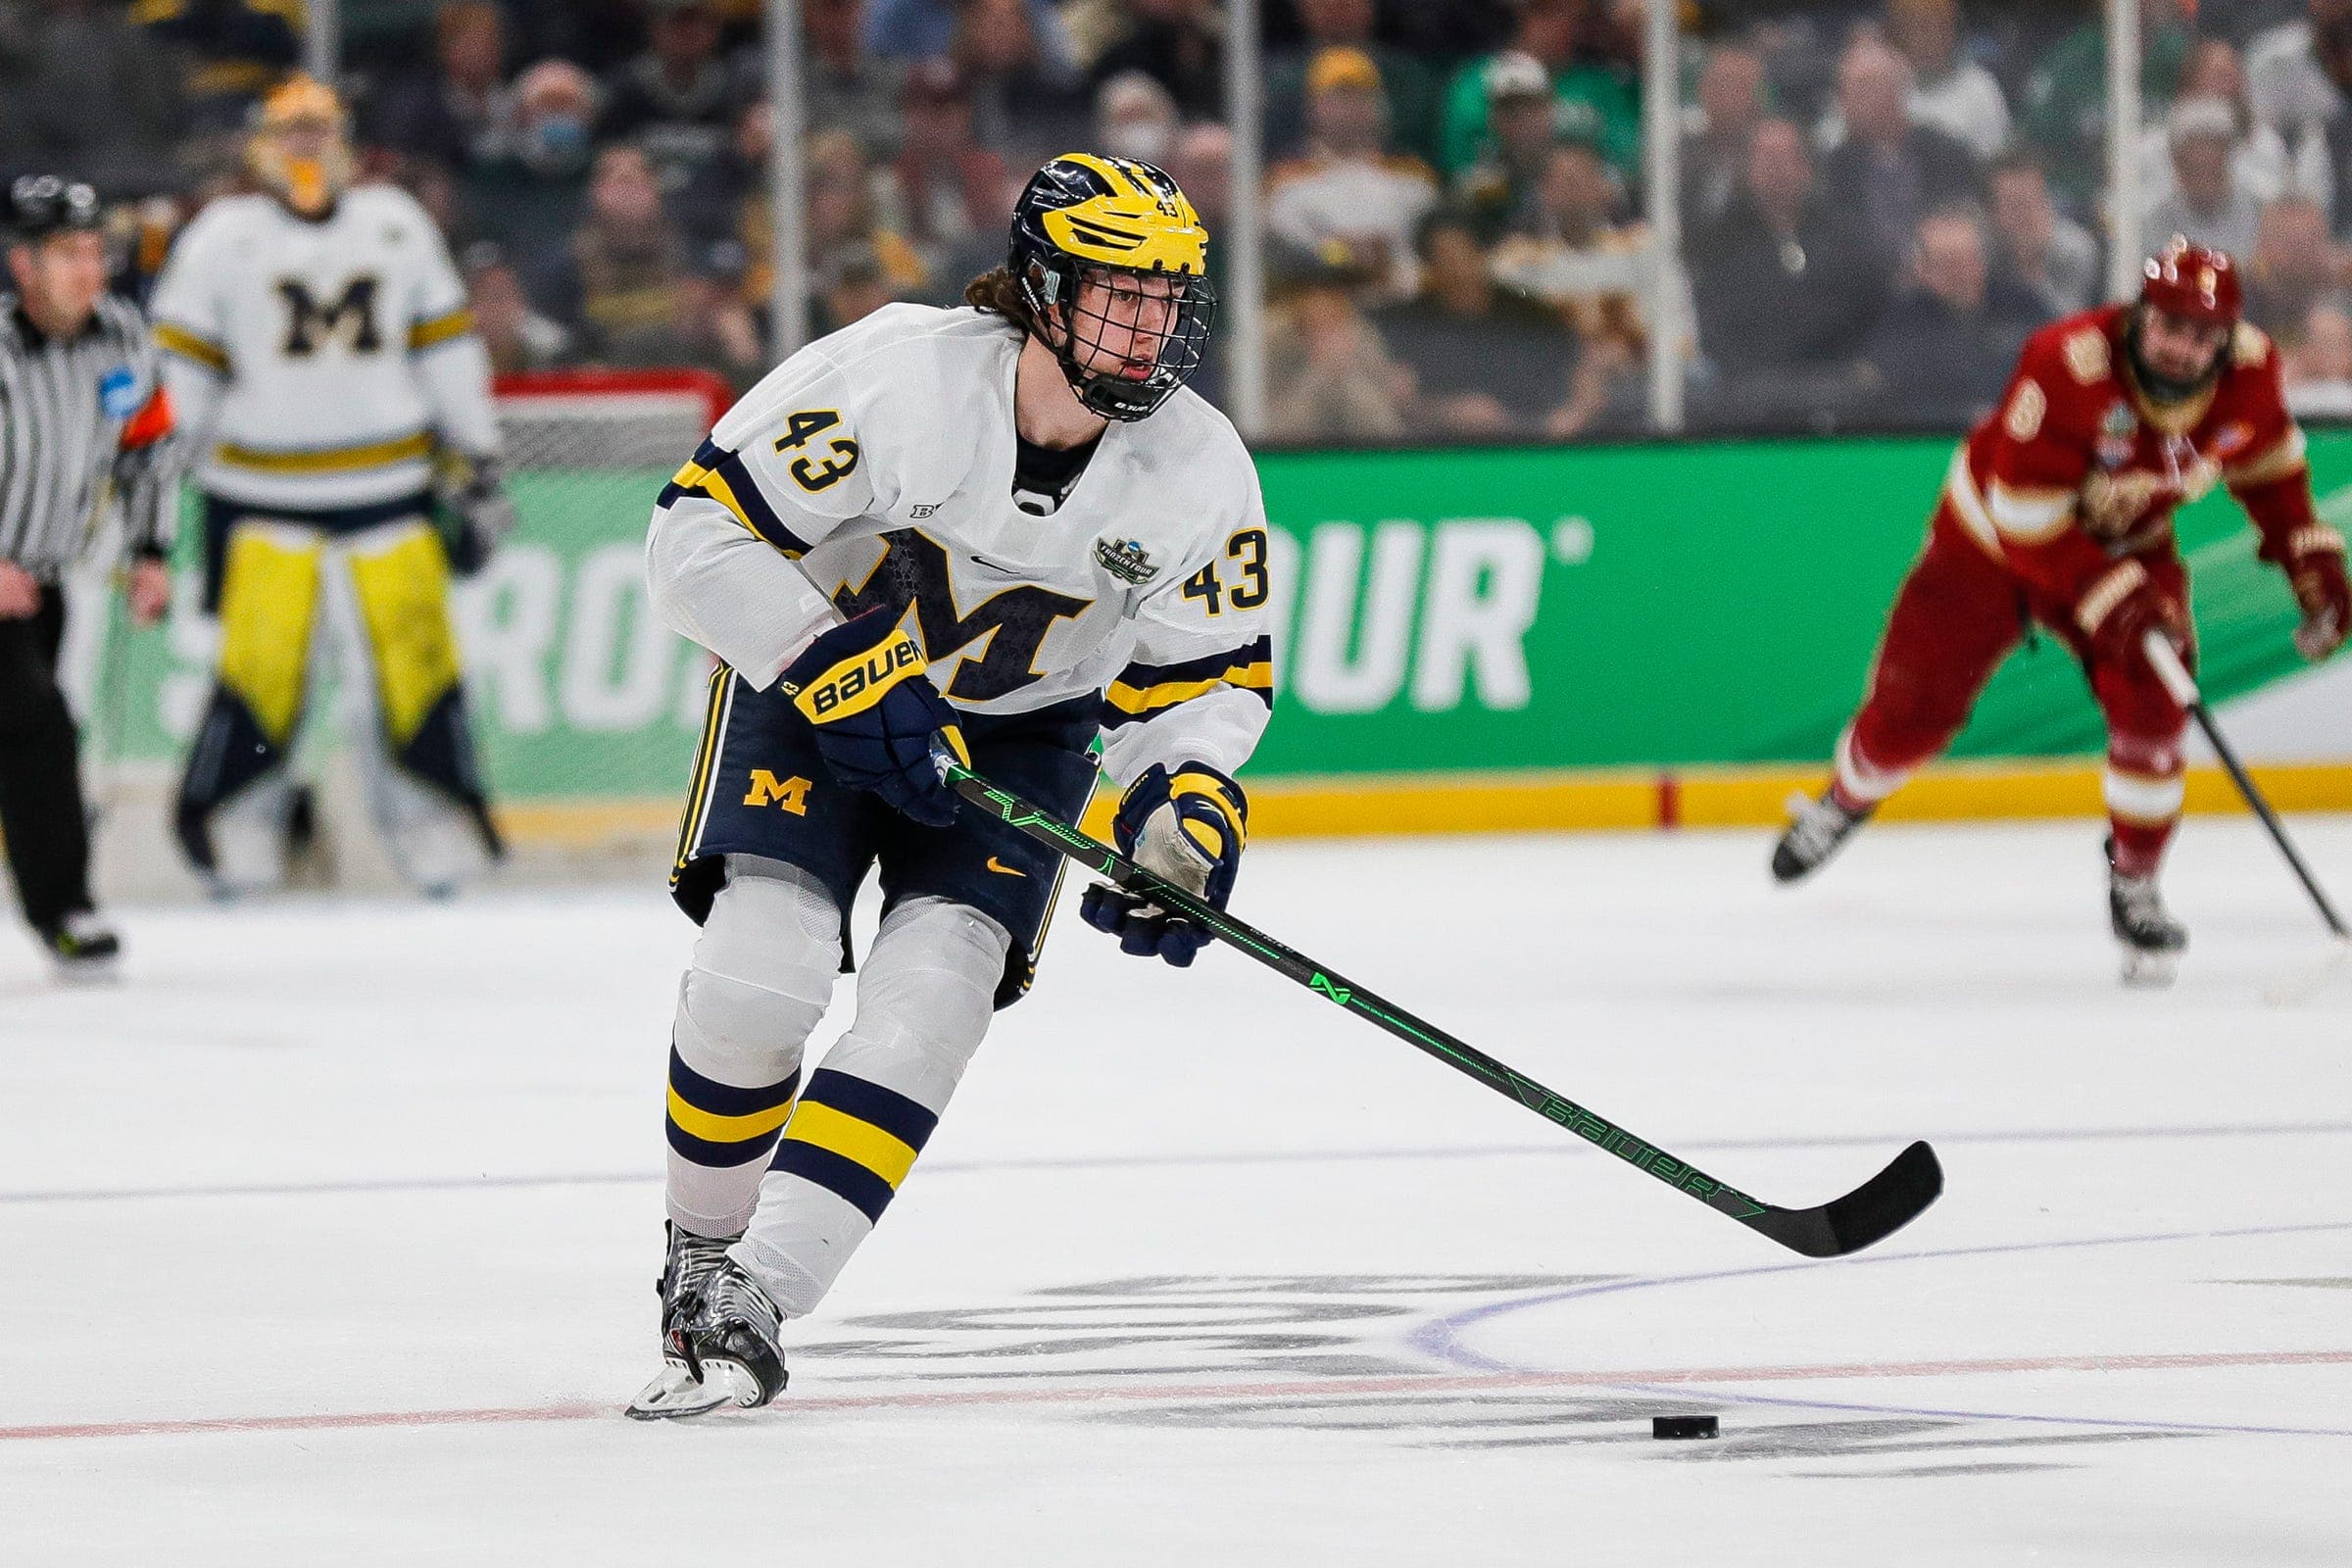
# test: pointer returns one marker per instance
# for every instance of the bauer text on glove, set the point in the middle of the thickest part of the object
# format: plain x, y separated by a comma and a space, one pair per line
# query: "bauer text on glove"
863, 689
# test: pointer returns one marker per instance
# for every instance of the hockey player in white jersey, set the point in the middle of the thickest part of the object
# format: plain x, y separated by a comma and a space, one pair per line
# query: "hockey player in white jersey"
1011, 525
319, 348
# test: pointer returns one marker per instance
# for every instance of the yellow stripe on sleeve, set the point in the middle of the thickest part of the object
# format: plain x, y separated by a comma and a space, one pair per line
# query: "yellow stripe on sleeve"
440, 330
188, 346
693, 476
1259, 677
853, 1139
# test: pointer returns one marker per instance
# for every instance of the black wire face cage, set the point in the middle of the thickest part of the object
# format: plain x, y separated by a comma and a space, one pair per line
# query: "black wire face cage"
1109, 394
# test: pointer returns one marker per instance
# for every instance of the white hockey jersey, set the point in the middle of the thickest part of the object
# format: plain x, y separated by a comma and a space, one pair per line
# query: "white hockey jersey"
318, 365
875, 467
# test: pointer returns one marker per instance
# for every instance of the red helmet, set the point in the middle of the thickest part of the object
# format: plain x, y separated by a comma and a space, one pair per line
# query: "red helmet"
2192, 281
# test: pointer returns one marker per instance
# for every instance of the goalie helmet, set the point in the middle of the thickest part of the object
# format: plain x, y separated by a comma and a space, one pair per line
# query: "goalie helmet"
300, 151
1112, 263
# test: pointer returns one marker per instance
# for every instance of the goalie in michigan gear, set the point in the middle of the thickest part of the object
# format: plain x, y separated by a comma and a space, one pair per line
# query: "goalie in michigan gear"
317, 342
300, 150
949, 524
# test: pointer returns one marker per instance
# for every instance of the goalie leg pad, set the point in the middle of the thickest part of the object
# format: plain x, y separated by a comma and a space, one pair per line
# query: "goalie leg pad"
233, 797
425, 786
762, 977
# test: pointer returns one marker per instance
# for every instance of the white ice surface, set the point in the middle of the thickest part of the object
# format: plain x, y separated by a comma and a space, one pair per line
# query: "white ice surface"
328, 1237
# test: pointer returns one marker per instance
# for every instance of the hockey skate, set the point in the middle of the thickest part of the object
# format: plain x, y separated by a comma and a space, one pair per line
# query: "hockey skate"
2152, 939
1816, 831
687, 1263
721, 1349
83, 947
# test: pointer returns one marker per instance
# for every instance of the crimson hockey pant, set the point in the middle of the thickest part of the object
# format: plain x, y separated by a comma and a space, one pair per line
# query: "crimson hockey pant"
1958, 616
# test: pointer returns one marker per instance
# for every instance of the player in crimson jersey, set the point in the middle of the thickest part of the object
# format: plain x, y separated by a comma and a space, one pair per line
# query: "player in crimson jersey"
2059, 509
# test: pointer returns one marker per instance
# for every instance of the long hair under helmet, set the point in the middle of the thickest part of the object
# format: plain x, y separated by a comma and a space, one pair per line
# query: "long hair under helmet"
1085, 218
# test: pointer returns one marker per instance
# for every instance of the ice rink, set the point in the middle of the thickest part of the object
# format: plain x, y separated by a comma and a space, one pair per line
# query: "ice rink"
328, 1236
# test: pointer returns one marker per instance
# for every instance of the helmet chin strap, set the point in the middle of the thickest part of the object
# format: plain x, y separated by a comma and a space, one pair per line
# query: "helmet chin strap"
2163, 388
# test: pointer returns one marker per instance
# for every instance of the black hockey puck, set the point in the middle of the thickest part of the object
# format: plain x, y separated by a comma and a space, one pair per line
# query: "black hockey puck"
1681, 1426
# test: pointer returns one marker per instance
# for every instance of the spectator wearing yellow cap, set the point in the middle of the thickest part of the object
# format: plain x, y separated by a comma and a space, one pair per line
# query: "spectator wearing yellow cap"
1416, 87
1349, 192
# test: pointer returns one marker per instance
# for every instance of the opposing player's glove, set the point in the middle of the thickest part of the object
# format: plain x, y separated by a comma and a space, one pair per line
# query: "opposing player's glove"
862, 686
2315, 567
2122, 604
1189, 827
470, 509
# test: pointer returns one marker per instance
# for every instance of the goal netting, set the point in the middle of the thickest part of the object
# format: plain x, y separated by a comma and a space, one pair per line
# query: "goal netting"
585, 703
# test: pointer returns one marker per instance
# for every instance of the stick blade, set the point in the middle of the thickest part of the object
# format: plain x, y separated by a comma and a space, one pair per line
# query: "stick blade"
1864, 1216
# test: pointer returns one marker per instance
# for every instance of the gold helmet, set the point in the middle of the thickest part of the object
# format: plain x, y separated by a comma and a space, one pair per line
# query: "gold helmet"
1085, 216
300, 151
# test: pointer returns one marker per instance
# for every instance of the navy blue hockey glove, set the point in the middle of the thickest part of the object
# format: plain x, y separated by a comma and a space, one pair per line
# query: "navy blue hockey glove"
1189, 827
863, 688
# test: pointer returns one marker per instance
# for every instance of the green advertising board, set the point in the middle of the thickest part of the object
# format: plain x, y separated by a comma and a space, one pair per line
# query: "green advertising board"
1440, 610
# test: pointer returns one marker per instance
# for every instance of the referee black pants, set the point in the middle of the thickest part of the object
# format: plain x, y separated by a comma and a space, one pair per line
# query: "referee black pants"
40, 774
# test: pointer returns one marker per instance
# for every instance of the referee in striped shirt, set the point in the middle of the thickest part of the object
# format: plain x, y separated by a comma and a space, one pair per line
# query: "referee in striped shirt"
83, 419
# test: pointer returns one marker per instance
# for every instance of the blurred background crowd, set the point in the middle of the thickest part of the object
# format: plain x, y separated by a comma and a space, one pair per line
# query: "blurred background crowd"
1878, 198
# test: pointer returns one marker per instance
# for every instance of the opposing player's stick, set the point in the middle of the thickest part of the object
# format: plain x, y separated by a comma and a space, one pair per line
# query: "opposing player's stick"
1870, 1212
2183, 687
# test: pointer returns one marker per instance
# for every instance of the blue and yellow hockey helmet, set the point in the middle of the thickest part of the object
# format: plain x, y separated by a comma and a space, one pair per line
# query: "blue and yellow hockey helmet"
1123, 225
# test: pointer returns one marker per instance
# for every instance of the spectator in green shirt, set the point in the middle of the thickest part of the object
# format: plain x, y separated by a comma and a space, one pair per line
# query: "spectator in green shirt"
2066, 101
1590, 102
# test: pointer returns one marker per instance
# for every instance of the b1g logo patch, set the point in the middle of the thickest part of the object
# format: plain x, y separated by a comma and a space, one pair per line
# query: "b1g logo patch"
1126, 559
119, 393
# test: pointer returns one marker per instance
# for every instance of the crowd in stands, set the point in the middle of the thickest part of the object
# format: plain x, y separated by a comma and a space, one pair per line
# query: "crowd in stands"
1879, 198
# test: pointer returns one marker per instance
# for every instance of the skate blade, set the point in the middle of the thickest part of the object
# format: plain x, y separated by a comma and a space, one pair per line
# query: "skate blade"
676, 1394
2150, 971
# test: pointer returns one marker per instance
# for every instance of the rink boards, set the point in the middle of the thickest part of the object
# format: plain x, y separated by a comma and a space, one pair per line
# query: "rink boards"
1587, 637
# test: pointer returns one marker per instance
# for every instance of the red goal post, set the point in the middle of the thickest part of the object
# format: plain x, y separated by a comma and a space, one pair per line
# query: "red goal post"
607, 420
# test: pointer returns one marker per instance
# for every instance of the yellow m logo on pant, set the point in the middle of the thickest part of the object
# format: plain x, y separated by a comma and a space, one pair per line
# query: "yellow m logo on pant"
792, 793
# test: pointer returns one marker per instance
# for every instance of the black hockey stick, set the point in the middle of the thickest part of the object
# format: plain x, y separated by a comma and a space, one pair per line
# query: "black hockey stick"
1870, 1212
2183, 687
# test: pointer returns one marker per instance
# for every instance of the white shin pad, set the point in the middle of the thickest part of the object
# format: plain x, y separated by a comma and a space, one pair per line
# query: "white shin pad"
762, 977
925, 994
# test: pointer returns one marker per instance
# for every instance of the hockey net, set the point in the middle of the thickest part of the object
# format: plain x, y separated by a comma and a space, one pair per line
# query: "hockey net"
585, 705
601, 421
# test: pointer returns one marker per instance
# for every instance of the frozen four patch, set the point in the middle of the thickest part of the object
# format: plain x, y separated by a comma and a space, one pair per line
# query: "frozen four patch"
1126, 559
